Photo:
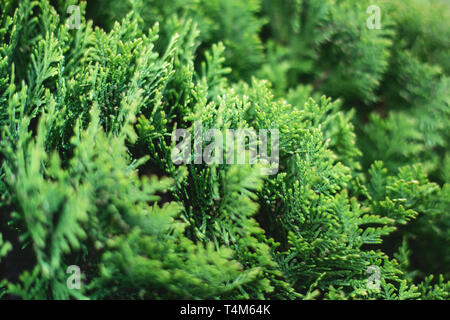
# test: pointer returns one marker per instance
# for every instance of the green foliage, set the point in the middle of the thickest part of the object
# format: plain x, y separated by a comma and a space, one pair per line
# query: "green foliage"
87, 176
327, 43
232, 22
4, 248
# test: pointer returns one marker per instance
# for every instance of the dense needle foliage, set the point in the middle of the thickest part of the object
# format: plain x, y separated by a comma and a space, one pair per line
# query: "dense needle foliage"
87, 179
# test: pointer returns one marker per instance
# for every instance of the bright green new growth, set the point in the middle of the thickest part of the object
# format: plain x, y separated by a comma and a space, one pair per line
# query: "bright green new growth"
87, 178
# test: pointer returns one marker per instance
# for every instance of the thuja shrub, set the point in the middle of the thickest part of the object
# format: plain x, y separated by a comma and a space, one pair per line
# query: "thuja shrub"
93, 205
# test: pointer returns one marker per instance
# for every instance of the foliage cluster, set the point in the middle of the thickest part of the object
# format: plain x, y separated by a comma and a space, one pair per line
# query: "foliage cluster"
86, 175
